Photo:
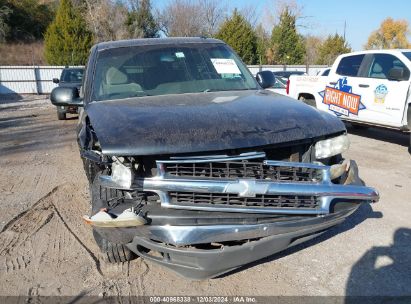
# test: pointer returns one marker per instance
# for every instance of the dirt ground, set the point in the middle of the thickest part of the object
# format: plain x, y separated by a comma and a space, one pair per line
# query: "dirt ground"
45, 249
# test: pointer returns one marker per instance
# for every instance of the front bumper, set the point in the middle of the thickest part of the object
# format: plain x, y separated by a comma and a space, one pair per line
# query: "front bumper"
198, 264
186, 246
68, 109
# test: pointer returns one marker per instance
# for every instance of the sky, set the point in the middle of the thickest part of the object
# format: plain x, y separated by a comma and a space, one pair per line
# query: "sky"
327, 17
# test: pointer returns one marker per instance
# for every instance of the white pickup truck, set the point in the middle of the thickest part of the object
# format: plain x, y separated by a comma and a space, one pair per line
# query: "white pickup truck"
364, 88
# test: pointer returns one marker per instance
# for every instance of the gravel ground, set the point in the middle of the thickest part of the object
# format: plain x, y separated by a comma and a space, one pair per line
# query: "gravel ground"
45, 249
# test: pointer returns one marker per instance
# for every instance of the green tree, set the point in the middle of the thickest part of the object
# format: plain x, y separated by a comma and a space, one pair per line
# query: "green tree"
26, 20
67, 40
263, 43
392, 34
286, 43
140, 21
239, 34
4, 27
331, 48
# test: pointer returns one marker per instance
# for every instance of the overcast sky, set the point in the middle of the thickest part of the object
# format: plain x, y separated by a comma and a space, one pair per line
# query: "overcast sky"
327, 17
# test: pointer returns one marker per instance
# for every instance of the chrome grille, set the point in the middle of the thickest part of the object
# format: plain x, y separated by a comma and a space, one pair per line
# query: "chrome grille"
243, 169
246, 183
234, 200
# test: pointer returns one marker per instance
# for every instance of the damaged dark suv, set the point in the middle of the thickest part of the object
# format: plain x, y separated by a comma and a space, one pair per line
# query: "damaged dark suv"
193, 165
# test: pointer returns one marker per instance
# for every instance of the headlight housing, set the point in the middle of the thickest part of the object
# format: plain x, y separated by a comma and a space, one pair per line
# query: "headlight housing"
332, 146
121, 174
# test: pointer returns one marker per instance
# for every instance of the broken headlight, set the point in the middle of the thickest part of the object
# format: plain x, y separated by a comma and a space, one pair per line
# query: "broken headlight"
332, 146
122, 174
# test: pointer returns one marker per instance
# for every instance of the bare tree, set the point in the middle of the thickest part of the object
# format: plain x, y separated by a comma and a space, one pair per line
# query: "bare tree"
312, 44
249, 12
191, 18
107, 20
272, 16
181, 18
214, 12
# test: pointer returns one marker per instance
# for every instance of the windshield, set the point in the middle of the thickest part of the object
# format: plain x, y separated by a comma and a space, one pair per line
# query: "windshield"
408, 55
279, 83
72, 75
152, 70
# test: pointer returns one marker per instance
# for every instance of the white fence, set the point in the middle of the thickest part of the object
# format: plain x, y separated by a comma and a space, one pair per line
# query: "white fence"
39, 79
310, 70
28, 79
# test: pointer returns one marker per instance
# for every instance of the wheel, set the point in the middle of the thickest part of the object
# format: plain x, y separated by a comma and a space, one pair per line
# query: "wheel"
409, 145
61, 115
308, 101
113, 252
359, 127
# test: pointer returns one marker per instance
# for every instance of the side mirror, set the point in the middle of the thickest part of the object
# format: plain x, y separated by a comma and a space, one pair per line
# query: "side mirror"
66, 97
56, 80
396, 74
265, 79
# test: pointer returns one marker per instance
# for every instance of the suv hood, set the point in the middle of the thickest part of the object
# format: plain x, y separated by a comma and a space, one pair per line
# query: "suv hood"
212, 121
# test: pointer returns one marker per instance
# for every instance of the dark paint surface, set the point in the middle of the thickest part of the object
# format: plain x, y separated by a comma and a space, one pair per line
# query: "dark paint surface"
203, 122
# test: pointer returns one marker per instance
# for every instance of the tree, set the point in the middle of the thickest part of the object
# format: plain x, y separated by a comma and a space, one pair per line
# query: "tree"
239, 34
213, 15
140, 21
392, 34
262, 45
312, 45
331, 48
287, 45
107, 20
185, 18
26, 20
67, 40
4, 27
182, 18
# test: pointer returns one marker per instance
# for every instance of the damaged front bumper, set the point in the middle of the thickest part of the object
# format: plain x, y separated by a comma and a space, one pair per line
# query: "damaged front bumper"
198, 263
246, 218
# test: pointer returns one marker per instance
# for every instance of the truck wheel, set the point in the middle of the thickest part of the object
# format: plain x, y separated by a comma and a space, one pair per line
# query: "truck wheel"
409, 145
308, 101
61, 115
359, 127
113, 252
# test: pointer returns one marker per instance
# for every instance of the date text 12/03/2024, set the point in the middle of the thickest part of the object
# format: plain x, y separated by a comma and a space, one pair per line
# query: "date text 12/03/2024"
203, 299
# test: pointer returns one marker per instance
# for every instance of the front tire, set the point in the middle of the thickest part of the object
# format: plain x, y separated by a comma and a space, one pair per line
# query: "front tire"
112, 252
307, 100
359, 127
409, 145
61, 115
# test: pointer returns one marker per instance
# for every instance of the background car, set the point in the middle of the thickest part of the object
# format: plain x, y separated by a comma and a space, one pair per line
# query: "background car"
70, 78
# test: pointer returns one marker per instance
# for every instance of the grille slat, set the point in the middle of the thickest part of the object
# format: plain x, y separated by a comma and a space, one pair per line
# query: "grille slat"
233, 200
243, 169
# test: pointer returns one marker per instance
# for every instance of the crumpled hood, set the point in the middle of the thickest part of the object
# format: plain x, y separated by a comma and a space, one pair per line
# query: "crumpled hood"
186, 123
